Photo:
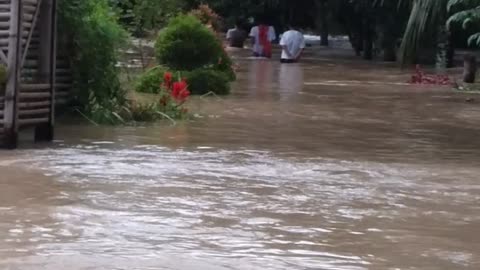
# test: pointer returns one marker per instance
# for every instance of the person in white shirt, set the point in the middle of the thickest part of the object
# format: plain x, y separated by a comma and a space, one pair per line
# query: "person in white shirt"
293, 44
262, 37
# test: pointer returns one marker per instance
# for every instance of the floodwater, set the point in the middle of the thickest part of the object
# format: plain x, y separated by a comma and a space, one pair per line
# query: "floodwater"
333, 163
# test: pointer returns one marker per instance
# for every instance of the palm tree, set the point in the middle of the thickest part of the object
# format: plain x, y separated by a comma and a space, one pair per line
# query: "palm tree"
429, 18
466, 13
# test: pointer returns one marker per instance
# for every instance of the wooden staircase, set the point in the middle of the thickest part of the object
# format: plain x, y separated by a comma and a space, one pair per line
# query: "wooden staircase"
28, 48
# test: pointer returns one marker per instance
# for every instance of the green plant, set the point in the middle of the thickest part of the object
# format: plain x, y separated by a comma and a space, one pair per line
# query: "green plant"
167, 104
139, 16
466, 13
186, 44
226, 65
203, 81
172, 96
104, 112
150, 112
150, 81
200, 81
93, 36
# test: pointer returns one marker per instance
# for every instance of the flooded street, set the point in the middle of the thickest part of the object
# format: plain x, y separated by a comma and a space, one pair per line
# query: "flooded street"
327, 164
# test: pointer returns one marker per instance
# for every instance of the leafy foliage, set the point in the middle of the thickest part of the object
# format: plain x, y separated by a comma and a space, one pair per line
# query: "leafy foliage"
149, 81
427, 15
466, 13
94, 37
226, 65
186, 44
143, 15
203, 81
200, 81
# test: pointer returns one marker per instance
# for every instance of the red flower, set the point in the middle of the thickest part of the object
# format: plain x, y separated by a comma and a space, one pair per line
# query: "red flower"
167, 77
180, 91
167, 80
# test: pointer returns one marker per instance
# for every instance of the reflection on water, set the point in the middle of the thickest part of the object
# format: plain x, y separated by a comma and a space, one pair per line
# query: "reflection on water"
290, 80
295, 170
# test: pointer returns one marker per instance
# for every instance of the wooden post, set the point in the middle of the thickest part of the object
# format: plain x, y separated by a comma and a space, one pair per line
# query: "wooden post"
469, 69
47, 64
14, 70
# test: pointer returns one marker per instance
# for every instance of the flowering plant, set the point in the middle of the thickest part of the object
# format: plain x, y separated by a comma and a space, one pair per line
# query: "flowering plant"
176, 92
207, 16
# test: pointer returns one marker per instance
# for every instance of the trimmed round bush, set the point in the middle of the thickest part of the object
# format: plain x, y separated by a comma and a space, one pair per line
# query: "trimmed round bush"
203, 81
151, 80
186, 44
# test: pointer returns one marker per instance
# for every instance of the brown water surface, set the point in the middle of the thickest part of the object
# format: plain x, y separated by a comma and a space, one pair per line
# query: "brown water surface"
333, 163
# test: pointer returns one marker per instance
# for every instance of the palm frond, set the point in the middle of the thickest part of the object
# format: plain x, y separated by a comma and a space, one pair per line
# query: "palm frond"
425, 16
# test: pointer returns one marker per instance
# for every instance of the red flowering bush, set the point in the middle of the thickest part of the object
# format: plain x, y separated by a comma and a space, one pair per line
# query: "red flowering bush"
167, 80
170, 103
207, 16
419, 77
178, 91
173, 95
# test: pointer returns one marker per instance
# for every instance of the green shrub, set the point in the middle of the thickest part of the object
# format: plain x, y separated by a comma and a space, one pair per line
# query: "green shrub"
93, 36
186, 44
151, 80
203, 81
200, 81
225, 65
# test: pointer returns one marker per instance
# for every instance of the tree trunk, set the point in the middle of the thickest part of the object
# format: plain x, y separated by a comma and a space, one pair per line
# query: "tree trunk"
442, 46
390, 52
325, 33
353, 42
368, 41
470, 68
356, 40
450, 50
324, 22
388, 34
389, 46
359, 38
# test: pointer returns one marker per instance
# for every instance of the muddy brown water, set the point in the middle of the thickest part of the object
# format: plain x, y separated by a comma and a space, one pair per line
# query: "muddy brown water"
333, 163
